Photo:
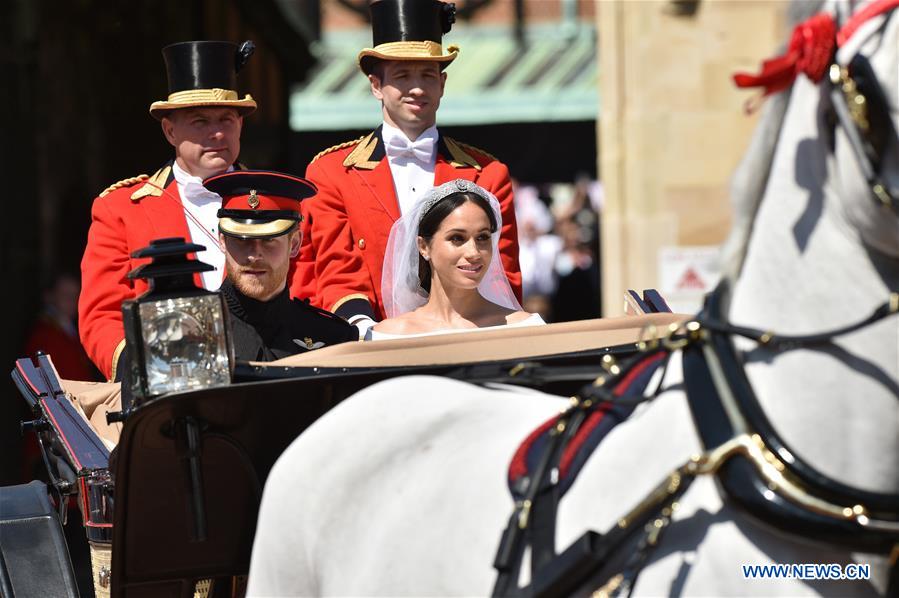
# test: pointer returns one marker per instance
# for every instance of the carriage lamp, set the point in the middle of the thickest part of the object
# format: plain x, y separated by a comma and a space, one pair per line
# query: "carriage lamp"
176, 333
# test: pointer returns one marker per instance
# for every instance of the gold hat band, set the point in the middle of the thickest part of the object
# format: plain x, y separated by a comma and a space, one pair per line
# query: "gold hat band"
410, 50
255, 231
203, 95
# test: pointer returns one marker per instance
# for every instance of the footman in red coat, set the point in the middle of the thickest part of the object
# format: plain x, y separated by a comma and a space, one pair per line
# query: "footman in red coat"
202, 119
364, 185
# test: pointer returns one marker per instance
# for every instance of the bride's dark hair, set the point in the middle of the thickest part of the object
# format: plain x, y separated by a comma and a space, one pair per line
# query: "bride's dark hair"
430, 222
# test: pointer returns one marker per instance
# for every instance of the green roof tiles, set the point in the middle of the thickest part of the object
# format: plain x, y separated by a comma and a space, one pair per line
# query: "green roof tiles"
552, 77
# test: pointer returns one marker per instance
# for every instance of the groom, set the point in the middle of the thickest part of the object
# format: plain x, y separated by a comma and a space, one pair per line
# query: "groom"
366, 184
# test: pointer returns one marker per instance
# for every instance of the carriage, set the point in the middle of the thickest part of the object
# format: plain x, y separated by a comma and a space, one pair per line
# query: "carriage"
798, 427
174, 483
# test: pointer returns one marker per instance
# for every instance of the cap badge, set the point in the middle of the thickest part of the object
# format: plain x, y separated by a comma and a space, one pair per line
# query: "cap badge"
253, 200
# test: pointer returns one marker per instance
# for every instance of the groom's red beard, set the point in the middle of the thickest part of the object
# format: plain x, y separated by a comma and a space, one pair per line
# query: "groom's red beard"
259, 281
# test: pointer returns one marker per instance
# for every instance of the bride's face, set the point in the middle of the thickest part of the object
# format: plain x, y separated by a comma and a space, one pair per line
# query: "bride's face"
461, 249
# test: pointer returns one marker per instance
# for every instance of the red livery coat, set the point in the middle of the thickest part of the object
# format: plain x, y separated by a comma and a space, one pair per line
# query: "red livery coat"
347, 223
124, 218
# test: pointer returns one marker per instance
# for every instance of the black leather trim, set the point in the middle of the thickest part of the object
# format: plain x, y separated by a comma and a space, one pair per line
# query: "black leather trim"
355, 307
884, 505
738, 477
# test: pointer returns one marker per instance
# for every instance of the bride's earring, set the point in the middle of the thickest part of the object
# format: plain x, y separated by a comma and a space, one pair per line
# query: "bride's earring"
427, 259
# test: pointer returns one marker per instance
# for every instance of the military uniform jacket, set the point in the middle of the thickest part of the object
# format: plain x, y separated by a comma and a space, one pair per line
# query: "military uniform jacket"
124, 218
348, 222
268, 330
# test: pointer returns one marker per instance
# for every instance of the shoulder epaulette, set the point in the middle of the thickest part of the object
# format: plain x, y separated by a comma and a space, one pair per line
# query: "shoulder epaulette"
461, 156
154, 184
124, 183
334, 148
477, 149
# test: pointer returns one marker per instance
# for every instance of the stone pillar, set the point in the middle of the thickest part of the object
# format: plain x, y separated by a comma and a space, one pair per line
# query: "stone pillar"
672, 126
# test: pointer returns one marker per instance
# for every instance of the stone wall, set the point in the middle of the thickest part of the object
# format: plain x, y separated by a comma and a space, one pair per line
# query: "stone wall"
672, 129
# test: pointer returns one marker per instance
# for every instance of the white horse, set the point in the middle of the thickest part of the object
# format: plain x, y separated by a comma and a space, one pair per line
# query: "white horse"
401, 490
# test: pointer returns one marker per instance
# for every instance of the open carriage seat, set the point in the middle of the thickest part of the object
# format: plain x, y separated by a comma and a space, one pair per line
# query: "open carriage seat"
95, 400
190, 466
500, 344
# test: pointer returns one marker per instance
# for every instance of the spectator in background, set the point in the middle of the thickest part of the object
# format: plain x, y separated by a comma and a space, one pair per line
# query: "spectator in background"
577, 266
584, 210
537, 251
56, 331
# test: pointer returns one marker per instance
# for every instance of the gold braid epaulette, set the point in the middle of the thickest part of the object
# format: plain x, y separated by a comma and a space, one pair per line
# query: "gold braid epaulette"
477, 149
334, 148
125, 183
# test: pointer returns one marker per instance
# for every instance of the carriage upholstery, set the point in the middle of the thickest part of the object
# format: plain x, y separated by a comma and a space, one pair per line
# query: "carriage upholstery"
96, 399
488, 345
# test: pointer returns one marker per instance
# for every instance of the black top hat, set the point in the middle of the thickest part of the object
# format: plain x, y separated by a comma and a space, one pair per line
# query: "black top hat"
409, 30
204, 73
259, 204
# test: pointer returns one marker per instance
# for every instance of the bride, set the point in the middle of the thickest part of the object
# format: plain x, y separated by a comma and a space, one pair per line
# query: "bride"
442, 271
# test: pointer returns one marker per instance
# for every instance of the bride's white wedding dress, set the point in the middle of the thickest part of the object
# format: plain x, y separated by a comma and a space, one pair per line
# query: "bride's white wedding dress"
374, 335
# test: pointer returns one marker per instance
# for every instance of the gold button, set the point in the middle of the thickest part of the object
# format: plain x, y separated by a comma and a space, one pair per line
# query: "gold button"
361, 243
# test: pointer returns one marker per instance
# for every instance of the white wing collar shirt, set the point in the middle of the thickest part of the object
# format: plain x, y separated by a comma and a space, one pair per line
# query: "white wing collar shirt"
411, 163
200, 207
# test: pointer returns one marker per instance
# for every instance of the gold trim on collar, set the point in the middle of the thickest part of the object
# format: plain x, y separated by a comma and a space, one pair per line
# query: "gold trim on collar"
334, 148
154, 185
359, 157
343, 300
115, 359
460, 158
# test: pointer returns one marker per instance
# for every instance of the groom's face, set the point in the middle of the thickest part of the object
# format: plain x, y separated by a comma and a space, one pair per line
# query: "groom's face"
258, 267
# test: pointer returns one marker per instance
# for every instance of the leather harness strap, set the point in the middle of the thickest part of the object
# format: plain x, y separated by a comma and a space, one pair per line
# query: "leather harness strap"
743, 451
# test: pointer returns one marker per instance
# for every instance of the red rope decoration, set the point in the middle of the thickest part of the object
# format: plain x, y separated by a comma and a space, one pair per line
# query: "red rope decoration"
810, 51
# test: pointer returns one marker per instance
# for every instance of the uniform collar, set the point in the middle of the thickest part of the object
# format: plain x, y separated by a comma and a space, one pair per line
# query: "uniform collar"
191, 187
369, 152
253, 311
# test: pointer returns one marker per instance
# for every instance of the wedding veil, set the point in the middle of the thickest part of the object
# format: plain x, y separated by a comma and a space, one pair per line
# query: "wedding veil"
400, 289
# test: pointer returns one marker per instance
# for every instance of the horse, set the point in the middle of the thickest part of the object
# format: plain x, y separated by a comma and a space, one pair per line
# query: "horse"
402, 488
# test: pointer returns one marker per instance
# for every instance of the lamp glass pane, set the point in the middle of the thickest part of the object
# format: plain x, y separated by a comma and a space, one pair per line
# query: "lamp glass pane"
184, 344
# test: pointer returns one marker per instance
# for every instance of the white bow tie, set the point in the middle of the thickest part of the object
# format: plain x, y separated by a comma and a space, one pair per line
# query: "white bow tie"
192, 188
195, 192
421, 149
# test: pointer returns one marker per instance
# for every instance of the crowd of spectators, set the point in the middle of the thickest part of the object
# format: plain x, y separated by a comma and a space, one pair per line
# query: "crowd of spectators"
558, 232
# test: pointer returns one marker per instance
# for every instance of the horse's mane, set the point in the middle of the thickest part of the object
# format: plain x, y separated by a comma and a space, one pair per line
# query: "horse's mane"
748, 183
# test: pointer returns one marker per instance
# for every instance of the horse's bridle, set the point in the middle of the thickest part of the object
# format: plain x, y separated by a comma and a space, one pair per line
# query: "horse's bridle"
858, 102
862, 110
757, 471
